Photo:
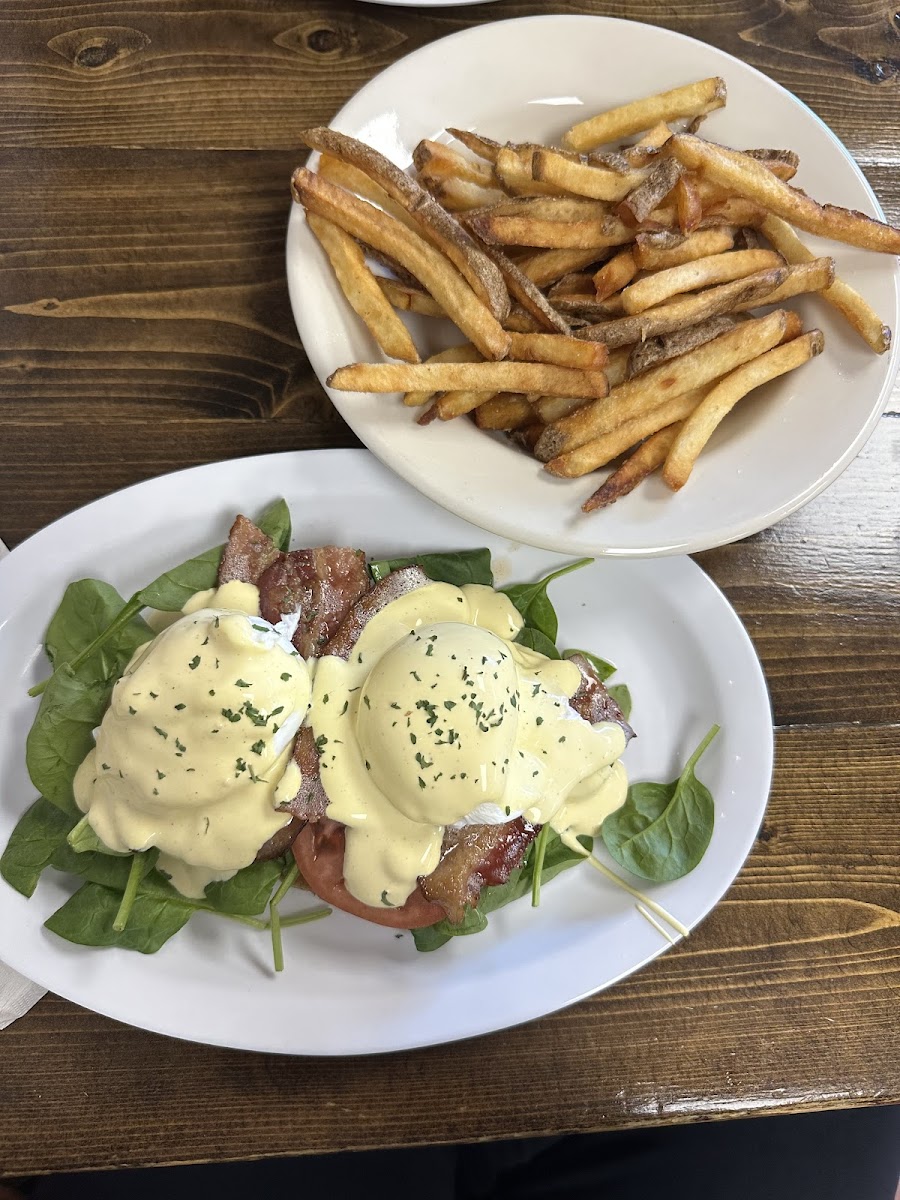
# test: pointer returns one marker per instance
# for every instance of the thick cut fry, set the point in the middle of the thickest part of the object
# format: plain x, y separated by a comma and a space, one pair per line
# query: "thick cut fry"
556, 235
815, 276
466, 353
599, 183
688, 204
734, 211
527, 436
694, 100
361, 289
783, 163
559, 350
615, 274
477, 377
520, 321
751, 180
657, 350
504, 412
513, 167
701, 424
547, 266
690, 277
587, 305
531, 298
648, 457
442, 162
640, 204
437, 225
650, 255
456, 404
687, 310
602, 450
345, 175
484, 147
460, 196
548, 208
646, 149
840, 295
428, 265
552, 408
630, 399
577, 283
410, 299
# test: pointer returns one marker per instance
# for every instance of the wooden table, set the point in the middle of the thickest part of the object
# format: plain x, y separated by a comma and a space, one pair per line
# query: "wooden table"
146, 327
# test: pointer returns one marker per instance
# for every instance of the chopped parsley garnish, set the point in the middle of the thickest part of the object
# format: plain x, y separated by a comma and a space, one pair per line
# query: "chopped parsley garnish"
162, 733
160, 775
258, 747
231, 716
421, 783
132, 711
179, 707
195, 662
241, 683
286, 675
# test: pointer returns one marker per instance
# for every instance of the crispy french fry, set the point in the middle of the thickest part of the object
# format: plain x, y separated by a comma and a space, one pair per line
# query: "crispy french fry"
559, 350
361, 289
657, 350
437, 225
398, 272
648, 457
688, 204
466, 353
513, 167
345, 175
520, 321
687, 310
443, 162
641, 203
547, 266
428, 265
615, 274
558, 235
529, 296
701, 273
457, 404
527, 436
652, 256
700, 425
484, 147
410, 299
646, 149
564, 174
459, 195
548, 208
588, 306
576, 283
735, 211
840, 295
746, 177
783, 163
476, 377
694, 100
630, 399
815, 276
552, 408
504, 412
602, 450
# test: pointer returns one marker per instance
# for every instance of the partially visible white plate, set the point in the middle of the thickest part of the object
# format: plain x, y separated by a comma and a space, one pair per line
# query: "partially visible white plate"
349, 987
530, 80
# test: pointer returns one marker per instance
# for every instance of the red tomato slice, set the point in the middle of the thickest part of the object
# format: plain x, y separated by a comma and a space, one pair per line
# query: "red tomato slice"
319, 851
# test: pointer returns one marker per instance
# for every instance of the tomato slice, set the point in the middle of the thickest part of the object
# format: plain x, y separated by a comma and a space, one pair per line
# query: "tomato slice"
319, 851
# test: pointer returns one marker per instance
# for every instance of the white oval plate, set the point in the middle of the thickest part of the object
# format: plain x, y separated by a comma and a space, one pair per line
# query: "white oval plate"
350, 987
531, 79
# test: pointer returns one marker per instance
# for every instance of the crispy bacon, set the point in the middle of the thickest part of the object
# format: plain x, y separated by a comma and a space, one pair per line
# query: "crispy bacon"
593, 702
279, 843
397, 584
474, 857
322, 584
247, 554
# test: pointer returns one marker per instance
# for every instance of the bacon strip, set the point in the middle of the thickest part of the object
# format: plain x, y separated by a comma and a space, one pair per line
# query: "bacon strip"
322, 584
474, 857
593, 702
247, 554
398, 583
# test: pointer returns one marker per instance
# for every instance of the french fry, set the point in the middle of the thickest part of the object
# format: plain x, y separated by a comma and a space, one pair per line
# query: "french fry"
548, 208
615, 274
513, 167
586, 304
556, 235
520, 321
602, 450
529, 296
504, 412
696, 99
477, 377
527, 436
657, 350
688, 204
687, 310
443, 162
457, 404
459, 195
576, 283
815, 276
783, 163
651, 256
410, 299
840, 295
641, 203
547, 266
397, 271
648, 457
429, 266
552, 408
646, 150
630, 399
747, 178
701, 424
557, 349
466, 353
564, 174
361, 289
437, 225
347, 176
734, 211
701, 273
484, 147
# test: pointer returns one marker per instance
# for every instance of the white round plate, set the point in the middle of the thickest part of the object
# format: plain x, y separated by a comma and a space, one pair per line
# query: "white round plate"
529, 80
350, 987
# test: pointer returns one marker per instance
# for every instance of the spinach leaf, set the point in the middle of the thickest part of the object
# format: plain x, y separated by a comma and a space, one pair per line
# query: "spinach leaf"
82, 838
87, 918
246, 893
32, 844
62, 734
87, 608
663, 829
622, 697
276, 523
172, 590
534, 604
457, 566
603, 668
96, 867
535, 640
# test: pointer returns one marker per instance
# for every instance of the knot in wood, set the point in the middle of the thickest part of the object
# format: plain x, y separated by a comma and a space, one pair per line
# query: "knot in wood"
324, 41
96, 53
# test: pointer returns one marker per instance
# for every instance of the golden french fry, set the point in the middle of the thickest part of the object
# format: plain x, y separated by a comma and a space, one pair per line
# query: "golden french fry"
615, 274
700, 425
345, 175
459, 195
648, 457
443, 162
484, 147
513, 167
651, 256
646, 149
436, 225
688, 204
747, 178
504, 412
547, 208
520, 321
734, 211
576, 283
783, 163
564, 174
466, 353
657, 350
690, 277
552, 408
558, 235
529, 296
630, 399
527, 436
361, 289
475, 377
815, 276
588, 306
558, 349
643, 202
696, 99
602, 450
840, 295
408, 298
457, 404
687, 310
429, 266
547, 266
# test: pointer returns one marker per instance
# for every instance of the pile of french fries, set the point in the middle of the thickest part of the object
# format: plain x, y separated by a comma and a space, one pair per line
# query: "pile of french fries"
606, 289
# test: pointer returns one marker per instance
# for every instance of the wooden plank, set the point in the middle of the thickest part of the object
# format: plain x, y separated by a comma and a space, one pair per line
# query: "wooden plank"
784, 999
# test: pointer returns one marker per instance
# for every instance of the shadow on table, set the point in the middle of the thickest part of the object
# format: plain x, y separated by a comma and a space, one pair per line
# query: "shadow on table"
851, 1155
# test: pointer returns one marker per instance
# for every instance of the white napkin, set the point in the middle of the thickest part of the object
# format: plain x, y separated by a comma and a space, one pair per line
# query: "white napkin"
17, 994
